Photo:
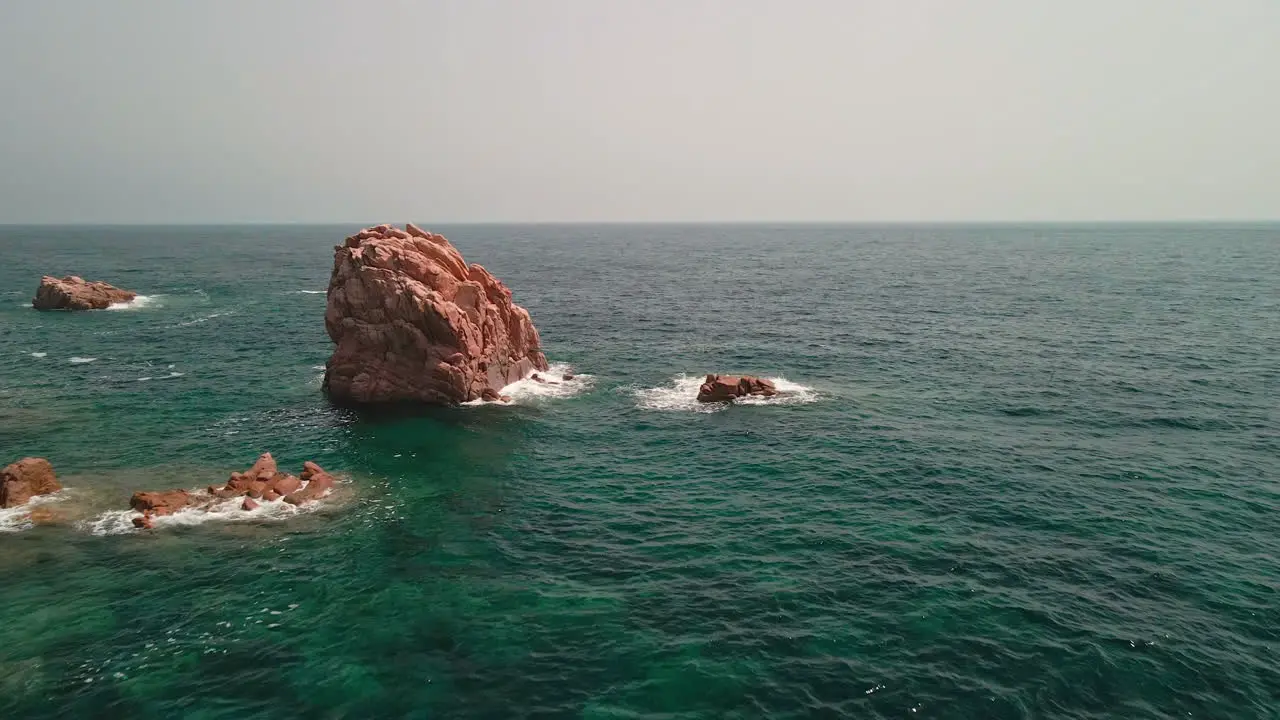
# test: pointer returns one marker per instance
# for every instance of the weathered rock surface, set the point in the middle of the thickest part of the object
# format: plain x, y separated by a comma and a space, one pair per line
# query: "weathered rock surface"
161, 503
76, 293
722, 388
25, 479
413, 322
262, 482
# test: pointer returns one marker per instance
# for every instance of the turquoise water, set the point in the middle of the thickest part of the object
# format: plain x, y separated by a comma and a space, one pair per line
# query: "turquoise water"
1022, 472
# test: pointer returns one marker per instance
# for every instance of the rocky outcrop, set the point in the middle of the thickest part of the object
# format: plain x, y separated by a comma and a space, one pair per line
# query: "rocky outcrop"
25, 479
262, 482
722, 388
76, 293
413, 321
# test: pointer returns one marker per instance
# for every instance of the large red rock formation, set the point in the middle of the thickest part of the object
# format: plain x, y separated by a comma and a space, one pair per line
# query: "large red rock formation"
720, 388
76, 293
412, 321
25, 479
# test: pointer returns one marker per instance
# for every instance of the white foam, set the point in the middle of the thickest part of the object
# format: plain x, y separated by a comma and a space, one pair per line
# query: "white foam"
39, 355
81, 360
531, 392
308, 292
120, 522
138, 303
682, 395
17, 519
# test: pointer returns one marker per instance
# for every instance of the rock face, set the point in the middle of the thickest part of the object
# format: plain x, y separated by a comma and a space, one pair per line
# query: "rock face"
75, 293
25, 479
722, 388
263, 481
413, 322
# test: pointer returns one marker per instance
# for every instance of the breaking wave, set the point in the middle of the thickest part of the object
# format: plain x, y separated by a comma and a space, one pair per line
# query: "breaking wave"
77, 360
138, 303
120, 522
17, 519
172, 374
531, 392
682, 395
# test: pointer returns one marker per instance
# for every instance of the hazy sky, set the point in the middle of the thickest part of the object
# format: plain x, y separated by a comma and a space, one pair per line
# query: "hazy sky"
544, 110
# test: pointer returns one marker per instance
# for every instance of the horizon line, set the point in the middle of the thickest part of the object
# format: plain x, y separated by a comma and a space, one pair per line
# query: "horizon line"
317, 223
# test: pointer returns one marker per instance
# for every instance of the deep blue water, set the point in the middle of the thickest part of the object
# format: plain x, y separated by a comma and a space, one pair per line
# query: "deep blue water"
1023, 471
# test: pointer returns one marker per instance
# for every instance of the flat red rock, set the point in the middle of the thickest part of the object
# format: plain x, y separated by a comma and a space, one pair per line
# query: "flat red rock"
76, 293
723, 388
160, 503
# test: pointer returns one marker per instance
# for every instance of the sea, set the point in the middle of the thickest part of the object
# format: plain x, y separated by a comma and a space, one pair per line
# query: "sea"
1016, 471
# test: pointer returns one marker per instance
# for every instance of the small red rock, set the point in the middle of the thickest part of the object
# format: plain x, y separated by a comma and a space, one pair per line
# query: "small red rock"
264, 468
25, 479
316, 488
248, 505
285, 484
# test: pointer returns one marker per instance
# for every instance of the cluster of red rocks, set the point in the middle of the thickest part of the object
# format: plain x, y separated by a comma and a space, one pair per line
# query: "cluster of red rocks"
412, 321
26, 479
76, 293
263, 481
722, 388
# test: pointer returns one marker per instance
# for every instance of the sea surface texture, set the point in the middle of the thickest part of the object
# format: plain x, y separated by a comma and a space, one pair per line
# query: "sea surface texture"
1016, 472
